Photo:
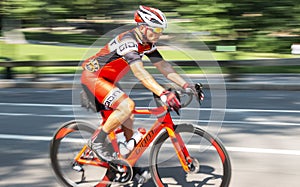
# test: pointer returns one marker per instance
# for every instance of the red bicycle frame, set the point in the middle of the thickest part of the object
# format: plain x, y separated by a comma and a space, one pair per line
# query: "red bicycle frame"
164, 121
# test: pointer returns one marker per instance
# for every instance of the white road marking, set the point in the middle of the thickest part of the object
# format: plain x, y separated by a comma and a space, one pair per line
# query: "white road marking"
153, 119
230, 149
227, 110
244, 110
36, 105
227, 122
24, 137
264, 151
196, 109
38, 115
251, 150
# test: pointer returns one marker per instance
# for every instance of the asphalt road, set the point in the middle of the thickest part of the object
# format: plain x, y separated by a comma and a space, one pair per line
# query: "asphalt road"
259, 128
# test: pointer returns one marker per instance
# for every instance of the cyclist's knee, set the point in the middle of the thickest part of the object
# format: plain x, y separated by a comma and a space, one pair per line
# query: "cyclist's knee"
127, 106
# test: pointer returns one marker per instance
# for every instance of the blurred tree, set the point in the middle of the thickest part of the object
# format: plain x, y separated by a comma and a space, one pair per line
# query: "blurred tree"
266, 26
35, 12
20, 8
209, 15
253, 23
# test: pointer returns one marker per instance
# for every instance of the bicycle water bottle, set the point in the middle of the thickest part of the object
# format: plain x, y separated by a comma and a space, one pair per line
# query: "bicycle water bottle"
127, 147
123, 148
137, 136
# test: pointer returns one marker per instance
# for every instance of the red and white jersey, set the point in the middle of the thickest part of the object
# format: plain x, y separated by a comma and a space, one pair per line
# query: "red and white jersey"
113, 60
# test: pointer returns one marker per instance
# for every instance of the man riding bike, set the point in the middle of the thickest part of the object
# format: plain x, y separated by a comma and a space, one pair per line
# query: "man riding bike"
121, 54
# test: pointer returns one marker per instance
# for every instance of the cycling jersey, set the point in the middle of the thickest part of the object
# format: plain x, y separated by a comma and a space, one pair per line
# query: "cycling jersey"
113, 60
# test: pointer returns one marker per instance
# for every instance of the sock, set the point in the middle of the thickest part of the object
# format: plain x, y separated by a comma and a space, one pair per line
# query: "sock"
101, 137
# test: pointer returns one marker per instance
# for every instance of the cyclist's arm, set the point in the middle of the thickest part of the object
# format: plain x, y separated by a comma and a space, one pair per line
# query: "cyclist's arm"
168, 71
144, 76
128, 49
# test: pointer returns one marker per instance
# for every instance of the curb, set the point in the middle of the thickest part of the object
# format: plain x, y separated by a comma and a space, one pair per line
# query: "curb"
129, 85
256, 86
244, 82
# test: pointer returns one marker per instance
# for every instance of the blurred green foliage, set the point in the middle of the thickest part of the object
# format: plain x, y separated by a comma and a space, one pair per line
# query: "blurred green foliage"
251, 25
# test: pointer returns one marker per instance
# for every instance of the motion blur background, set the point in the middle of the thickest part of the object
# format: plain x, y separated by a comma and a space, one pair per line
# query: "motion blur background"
261, 125
247, 29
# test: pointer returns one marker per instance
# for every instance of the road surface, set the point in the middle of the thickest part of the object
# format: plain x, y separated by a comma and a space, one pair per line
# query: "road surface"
260, 130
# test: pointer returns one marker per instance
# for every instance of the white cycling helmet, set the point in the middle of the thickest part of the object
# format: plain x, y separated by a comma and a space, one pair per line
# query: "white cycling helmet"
151, 17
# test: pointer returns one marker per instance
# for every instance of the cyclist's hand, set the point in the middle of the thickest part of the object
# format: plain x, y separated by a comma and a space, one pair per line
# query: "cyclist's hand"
170, 98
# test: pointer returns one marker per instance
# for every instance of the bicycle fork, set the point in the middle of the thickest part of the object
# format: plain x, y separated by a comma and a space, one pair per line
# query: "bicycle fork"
180, 148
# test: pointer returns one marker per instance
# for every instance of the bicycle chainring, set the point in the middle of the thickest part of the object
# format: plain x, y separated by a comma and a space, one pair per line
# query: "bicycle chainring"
122, 169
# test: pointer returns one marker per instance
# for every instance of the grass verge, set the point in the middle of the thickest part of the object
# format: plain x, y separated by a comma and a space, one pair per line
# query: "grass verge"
61, 53
152, 70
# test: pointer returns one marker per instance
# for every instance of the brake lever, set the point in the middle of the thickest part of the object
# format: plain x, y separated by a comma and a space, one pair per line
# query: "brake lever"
178, 97
200, 92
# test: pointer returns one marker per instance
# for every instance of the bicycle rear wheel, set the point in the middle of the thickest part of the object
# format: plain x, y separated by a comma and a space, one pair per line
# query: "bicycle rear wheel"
211, 162
67, 142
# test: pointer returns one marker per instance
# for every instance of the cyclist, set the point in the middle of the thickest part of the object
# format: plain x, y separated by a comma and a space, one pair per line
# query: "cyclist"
121, 54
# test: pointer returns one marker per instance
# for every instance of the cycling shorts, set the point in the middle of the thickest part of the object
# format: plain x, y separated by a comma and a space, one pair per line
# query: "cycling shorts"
105, 91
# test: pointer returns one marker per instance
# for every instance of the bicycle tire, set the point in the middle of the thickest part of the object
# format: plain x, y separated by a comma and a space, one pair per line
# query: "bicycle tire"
164, 166
70, 133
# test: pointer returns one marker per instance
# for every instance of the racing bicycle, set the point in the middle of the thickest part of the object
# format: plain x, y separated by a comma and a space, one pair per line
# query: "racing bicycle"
180, 154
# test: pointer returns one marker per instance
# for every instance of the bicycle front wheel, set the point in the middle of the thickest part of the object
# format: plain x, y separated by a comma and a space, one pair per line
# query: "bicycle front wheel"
66, 144
211, 163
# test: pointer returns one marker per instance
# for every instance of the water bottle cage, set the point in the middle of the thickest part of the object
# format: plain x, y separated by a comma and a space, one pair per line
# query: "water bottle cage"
132, 139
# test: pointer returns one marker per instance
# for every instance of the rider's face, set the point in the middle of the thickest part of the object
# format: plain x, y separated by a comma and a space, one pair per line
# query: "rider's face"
152, 34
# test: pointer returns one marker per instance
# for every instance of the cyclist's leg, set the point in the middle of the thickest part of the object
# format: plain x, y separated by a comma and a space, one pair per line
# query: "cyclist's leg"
111, 96
127, 127
121, 113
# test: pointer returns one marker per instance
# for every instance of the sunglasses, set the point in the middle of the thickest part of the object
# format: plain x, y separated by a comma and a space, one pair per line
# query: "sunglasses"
156, 30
